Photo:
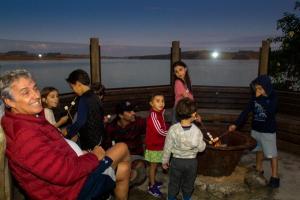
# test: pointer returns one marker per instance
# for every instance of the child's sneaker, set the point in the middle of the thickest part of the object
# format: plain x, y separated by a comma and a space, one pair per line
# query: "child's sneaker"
274, 182
154, 191
158, 184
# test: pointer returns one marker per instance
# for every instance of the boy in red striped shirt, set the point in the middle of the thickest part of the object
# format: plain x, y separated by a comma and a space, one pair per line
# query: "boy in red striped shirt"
155, 138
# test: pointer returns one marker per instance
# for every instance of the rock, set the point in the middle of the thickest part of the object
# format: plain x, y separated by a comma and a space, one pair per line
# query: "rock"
255, 179
221, 187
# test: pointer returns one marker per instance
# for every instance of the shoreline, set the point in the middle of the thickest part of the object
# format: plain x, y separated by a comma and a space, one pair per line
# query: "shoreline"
17, 58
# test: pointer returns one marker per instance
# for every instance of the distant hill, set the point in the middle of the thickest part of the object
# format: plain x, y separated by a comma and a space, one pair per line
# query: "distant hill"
24, 55
204, 54
37, 47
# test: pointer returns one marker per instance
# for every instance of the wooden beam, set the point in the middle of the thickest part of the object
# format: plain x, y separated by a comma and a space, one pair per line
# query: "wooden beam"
264, 58
175, 56
95, 64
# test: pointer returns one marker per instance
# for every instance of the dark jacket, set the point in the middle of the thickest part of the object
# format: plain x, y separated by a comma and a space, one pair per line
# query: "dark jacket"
89, 122
263, 108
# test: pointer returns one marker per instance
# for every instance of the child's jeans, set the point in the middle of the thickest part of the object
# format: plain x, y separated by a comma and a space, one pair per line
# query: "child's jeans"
183, 173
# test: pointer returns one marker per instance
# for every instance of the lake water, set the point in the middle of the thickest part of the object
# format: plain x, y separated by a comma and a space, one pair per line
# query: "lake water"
118, 73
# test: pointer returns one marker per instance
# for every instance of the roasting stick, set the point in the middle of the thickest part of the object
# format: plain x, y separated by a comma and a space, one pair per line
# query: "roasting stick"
211, 139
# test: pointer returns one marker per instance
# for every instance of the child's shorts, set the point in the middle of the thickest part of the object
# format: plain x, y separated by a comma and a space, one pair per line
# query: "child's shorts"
153, 156
266, 142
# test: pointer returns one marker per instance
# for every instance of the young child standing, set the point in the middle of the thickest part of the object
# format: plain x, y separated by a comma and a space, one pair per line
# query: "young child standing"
263, 106
156, 132
90, 114
181, 84
184, 141
50, 100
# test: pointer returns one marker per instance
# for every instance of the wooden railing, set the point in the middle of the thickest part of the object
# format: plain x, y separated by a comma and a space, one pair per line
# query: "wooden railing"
217, 105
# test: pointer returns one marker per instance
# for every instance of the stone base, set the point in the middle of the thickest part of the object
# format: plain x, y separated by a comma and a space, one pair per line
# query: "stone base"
225, 185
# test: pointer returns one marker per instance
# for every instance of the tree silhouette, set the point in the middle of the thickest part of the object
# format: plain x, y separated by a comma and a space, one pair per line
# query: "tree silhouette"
285, 62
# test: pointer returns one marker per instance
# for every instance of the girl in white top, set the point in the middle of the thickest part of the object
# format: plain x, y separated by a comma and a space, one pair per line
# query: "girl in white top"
50, 100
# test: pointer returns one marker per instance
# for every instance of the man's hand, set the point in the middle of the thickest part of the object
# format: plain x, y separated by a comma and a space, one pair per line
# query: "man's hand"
99, 152
232, 128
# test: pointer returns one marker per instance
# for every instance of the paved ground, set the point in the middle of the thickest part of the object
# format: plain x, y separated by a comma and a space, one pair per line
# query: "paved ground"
289, 170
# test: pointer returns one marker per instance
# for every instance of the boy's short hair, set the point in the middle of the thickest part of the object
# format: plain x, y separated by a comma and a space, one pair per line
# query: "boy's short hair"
80, 76
154, 95
185, 108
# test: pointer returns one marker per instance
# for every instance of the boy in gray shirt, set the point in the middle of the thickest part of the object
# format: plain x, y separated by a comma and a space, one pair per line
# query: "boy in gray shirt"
184, 140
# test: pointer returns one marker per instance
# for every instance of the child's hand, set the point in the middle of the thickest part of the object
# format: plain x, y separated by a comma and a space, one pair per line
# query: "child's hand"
198, 118
232, 128
64, 119
64, 132
165, 165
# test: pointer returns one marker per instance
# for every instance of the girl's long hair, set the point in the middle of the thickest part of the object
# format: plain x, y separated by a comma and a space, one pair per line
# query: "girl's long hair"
187, 80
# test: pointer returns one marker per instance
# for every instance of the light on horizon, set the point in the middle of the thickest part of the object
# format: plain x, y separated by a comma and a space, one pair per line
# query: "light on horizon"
215, 54
40, 55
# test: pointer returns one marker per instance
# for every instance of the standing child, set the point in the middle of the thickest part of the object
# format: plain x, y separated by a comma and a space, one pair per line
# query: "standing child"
90, 114
184, 141
50, 101
156, 132
181, 84
263, 105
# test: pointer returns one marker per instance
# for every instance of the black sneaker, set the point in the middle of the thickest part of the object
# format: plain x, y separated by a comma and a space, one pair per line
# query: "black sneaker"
274, 182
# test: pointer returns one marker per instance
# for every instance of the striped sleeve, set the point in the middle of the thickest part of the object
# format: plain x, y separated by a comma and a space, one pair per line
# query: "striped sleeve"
157, 124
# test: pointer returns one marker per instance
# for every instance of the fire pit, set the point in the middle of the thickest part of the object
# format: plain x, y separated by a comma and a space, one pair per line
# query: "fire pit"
222, 160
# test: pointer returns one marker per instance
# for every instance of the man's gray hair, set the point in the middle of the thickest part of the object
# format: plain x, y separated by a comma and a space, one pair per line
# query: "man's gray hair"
8, 78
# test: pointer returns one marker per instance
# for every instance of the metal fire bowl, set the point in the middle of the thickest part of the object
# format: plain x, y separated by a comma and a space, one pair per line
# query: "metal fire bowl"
222, 160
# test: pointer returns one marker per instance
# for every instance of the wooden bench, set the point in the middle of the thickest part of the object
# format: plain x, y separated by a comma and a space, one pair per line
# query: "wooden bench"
5, 178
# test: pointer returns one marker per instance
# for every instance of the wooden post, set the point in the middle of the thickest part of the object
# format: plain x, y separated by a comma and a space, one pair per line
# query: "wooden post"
95, 62
175, 56
264, 58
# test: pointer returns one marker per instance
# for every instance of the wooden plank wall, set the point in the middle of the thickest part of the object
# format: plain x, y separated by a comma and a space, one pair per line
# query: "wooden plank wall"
221, 97
232, 98
289, 103
139, 96
217, 105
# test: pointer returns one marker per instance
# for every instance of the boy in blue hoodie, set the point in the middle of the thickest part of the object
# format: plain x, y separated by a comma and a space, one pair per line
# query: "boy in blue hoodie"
263, 106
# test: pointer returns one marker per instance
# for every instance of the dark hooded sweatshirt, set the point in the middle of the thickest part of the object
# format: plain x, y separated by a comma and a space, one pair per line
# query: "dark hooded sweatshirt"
89, 122
263, 108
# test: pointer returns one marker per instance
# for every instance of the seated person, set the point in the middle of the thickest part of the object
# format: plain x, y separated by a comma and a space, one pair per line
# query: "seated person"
42, 162
128, 128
